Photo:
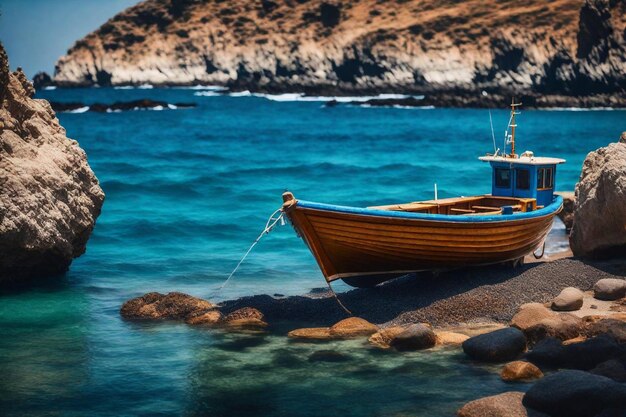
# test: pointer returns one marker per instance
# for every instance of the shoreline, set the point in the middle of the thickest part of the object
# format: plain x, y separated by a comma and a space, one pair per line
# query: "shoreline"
388, 98
486, 295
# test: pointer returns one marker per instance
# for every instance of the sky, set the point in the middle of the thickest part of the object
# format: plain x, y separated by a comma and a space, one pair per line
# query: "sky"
35, 33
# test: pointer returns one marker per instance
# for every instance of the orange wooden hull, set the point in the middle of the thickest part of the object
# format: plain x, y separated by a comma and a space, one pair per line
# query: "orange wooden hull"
352, 244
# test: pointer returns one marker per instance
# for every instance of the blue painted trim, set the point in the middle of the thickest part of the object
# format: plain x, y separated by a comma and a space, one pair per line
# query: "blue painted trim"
551, 209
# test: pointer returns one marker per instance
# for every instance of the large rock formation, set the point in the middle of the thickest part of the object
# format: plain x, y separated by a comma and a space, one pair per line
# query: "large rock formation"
599, 228
543, 50
49, 197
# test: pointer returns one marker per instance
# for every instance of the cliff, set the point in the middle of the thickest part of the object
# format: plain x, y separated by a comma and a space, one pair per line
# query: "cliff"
49, 196
563, 47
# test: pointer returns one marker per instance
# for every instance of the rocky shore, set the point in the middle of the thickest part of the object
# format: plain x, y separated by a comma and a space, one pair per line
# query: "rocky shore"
567, 53
49, 196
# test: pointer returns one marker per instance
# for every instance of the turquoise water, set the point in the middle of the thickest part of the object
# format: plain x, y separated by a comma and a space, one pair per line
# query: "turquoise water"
187, 191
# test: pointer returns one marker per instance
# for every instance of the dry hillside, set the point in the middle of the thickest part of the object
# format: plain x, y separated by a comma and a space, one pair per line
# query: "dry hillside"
562, 47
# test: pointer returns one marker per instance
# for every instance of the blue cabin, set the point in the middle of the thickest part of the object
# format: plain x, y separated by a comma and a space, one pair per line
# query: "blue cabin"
524, 176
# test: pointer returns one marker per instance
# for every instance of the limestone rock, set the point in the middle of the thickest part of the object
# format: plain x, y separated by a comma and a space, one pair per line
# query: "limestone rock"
313, 333
570, 299
575, 394
50, 197
383, 337
245, 317
414, 337
450, 338
353, 327
530, 314
610, 288
609, 326
599, 229
520, 371
174, 305
204, 317
499, 346
508, 404
562, 326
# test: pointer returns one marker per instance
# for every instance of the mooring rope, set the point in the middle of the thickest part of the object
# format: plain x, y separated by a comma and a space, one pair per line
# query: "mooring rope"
269, 226
337, 299
543, 250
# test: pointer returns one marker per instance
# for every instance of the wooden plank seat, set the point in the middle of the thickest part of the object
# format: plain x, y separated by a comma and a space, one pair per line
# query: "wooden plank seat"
461, 211
487, 208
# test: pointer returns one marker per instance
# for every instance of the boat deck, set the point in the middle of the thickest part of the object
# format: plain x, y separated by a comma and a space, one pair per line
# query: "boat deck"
477, 205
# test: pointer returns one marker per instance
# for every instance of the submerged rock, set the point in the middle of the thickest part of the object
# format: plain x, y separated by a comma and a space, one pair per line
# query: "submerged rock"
576, 394
570, 299
383, 337
508, 404
499, 346
610, 288
313, 333
520, 371
210, 317
50, 197
599, 214
174, 306
415, 337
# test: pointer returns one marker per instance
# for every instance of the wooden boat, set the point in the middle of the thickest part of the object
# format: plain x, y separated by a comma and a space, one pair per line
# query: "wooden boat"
366, 246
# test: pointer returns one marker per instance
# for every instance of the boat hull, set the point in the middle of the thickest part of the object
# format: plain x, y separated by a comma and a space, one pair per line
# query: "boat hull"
349, 243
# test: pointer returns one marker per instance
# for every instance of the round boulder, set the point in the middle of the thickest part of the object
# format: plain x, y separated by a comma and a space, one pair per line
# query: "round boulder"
531, 314
352, 327
575, 394
570, 299
499, 346
610, 289
520, 371
415, 337
561, 326
174, 306
508, 404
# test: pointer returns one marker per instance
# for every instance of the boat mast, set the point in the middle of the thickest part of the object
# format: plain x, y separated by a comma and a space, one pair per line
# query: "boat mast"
513, 125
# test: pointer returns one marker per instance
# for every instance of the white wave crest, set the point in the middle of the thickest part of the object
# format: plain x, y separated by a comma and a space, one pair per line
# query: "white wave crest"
79, 110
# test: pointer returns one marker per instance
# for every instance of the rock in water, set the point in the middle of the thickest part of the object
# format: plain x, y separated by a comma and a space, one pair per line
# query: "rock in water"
174, 306
499, 346
599, 228
610, 289
520, 371
247, 317
570, 299
50, 197
508, 404
415, 337
353, 327
576, 394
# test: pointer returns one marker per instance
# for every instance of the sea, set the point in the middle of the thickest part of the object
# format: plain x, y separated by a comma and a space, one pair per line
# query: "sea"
187, 192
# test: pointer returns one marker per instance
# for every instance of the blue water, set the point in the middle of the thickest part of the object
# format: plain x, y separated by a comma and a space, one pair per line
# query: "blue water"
187, 191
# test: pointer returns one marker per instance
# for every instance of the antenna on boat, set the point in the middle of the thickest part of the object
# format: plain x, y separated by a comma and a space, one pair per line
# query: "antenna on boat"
511, 138
436, 192
493, 136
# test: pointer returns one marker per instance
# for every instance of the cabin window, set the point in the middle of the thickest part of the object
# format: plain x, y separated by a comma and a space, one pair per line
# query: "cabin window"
522, 179
545, 178
503, 178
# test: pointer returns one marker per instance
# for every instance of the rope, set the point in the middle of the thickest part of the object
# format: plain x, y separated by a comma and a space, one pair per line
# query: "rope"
543, 250
269, 226
337, 299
